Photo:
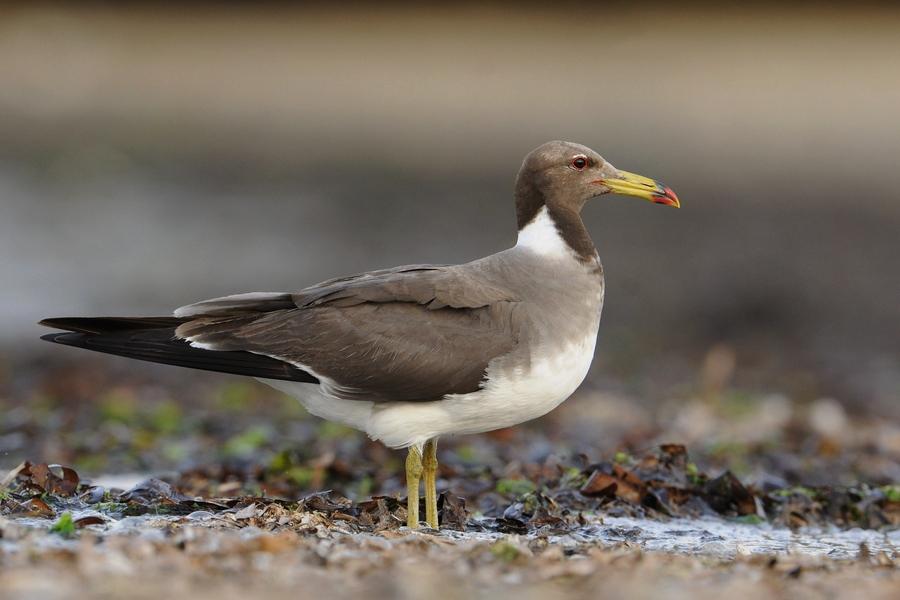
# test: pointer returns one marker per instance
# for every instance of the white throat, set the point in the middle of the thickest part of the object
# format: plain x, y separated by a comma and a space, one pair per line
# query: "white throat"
542, 237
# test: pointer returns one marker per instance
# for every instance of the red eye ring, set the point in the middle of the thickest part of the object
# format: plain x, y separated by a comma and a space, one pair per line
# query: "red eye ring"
579, 162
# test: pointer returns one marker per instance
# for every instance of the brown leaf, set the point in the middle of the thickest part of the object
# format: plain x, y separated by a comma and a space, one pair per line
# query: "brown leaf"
68, 483
726, 493
621, 483
51, 479
666, 465
340, 516
378, 513
64, 484
89, 520
452, 511
36, 507
599, 485
324, 502
40, 476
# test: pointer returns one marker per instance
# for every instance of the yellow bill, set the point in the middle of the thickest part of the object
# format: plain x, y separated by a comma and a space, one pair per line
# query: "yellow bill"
632, 184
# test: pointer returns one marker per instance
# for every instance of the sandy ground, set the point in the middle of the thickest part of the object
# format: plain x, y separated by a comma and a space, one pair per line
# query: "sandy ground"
308, 558
813, 511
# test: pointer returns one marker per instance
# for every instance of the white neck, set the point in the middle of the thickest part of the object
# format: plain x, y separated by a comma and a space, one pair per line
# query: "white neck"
542, 237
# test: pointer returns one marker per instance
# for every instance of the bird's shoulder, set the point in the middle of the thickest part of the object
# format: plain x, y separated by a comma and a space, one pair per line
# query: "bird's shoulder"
469, 285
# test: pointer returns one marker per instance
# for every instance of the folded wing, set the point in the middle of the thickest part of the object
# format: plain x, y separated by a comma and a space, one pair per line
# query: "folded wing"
412, 333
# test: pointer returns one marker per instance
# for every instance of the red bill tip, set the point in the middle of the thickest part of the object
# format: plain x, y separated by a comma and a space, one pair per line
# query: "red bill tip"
666, 197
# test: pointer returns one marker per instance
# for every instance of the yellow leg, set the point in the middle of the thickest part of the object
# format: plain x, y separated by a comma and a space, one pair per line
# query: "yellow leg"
413, 473
430, 464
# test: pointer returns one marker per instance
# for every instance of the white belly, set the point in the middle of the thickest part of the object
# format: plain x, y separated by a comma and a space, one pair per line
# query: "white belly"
508, 397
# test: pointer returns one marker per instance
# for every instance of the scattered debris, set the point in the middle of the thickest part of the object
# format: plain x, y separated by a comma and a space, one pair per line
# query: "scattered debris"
249, 489
660, 485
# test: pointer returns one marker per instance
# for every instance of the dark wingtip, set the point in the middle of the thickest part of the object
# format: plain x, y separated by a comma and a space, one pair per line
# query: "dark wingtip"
76, 324
100, 325
64, 322
57, 338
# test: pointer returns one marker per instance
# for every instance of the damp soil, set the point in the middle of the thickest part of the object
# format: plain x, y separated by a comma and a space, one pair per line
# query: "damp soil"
118, 486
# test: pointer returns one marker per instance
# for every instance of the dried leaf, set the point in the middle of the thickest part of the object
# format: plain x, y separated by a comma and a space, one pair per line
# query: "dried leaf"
505, 525
452, 511
248, 512
36, 507
12, 475
152, 491
621, 483
726, 494
599, 485
90, 520
68, 483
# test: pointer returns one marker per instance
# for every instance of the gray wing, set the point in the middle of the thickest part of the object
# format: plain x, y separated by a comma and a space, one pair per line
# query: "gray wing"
411, 333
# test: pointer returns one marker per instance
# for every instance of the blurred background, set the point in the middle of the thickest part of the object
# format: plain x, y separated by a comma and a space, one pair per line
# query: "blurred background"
156, 154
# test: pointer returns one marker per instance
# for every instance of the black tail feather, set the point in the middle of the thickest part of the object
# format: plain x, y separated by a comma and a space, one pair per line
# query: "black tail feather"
153, 339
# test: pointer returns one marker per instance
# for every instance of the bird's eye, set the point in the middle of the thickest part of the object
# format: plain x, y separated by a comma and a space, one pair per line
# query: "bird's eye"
579, 162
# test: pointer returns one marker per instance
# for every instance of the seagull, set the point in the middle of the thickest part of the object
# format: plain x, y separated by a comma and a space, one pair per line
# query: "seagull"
417, 352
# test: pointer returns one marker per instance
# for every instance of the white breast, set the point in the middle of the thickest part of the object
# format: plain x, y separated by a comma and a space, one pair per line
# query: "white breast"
509, 397
522, 394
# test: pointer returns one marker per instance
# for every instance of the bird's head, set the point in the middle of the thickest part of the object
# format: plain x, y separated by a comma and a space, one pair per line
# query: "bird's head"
568, 175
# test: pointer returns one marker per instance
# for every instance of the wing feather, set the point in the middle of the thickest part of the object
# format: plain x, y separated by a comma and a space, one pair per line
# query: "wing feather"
411, 333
